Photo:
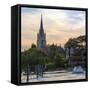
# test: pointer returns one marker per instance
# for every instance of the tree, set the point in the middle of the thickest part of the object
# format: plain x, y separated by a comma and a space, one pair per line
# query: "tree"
33, 46
71, 43
76, 42
33, 56
79, 48
53, 50
59, 60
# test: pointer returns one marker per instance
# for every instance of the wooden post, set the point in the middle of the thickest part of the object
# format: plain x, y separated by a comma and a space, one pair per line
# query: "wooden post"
28, 73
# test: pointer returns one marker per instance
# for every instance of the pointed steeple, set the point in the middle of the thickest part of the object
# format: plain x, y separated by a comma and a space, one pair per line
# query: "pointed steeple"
41, 26
41, 36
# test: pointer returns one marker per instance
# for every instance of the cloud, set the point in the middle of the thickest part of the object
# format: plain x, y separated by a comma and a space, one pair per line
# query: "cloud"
59, 25
75, 15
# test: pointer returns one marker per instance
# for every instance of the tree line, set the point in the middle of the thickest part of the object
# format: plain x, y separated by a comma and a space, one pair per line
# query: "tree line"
54, 59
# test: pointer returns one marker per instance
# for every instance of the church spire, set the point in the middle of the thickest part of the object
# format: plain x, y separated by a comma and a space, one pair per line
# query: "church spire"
41, 36
41, 26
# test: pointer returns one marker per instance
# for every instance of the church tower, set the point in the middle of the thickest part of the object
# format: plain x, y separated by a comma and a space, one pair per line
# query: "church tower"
41, 37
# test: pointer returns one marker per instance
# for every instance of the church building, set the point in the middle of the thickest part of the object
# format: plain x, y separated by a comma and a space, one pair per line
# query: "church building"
41, 37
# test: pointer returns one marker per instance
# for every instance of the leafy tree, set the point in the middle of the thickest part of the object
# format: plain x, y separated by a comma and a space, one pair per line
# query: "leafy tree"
32, 56
53, 50
71, 42
33, 46
59, 60
75, 42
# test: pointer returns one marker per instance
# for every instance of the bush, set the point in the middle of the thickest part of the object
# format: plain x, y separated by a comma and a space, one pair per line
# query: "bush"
50, 66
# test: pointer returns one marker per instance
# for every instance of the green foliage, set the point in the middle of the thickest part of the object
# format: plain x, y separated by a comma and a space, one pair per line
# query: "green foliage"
53, 59
75, 42
53, 51
50, 66
32, 56
71, 42
33, 46
59, 60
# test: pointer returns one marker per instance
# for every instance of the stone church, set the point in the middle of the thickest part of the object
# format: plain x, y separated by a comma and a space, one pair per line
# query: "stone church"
41, 37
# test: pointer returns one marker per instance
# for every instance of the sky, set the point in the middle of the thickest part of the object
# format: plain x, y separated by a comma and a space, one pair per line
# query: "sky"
59, 25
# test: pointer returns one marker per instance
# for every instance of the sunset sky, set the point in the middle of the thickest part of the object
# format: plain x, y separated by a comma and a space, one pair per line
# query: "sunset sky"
59, 25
